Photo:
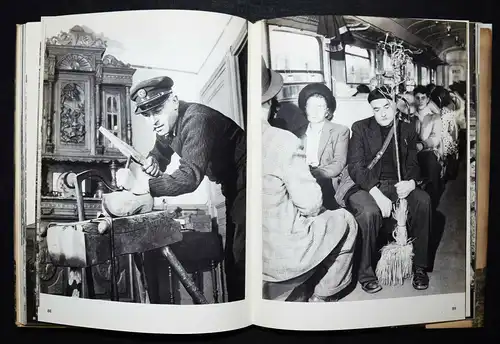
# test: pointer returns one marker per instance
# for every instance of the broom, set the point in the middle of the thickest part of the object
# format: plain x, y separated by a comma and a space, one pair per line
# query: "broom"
395, 264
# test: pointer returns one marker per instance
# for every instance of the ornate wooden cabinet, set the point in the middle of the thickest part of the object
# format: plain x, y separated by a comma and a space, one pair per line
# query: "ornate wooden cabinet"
83, 89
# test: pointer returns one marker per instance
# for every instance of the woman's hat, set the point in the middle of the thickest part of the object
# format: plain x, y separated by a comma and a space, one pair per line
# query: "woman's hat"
272, 83
317, 89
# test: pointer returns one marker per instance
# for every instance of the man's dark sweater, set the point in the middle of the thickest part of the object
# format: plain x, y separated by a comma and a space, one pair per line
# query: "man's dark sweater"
208, 143
389, 169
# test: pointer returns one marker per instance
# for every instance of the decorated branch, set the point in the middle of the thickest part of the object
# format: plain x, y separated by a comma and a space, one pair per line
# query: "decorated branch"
395, 264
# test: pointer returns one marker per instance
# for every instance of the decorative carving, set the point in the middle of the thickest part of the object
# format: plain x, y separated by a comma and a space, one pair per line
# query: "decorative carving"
72, 114
49, 145
104, 275
98, 72
77, 37
51, 67
117, 79
111, 61
45, 71
46, 270
75, 62
57, 288
85, 159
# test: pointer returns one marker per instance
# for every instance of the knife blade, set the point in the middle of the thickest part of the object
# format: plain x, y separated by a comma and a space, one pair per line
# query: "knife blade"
123, 147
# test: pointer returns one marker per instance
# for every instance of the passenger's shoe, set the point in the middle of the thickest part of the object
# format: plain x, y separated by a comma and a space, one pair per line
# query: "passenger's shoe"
420, 279
371, 287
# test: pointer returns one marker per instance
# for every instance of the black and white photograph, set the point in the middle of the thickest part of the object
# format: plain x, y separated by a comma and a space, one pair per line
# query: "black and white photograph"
365, 157
143, 158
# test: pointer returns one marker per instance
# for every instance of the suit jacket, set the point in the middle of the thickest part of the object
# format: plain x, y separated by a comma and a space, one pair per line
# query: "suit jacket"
209, 144
365, 143
332, 150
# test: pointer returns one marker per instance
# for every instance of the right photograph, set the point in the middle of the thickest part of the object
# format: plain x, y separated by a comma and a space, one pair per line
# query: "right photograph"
365, 158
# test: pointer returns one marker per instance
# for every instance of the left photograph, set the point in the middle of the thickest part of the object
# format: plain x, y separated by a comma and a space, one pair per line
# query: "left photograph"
143, 158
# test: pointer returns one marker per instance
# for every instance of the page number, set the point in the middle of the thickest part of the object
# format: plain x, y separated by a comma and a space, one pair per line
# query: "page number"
49, 310
453, 308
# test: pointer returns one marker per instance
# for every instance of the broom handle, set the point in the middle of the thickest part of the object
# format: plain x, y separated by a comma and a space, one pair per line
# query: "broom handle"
396, 146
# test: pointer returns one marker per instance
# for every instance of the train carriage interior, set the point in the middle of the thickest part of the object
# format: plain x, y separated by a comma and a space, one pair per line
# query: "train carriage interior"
346, 63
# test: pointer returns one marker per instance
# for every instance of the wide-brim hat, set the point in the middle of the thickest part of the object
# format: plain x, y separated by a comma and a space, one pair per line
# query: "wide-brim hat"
272, 83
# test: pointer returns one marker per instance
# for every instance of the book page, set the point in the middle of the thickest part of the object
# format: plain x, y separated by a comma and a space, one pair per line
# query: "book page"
358, 218
27, 120
156, 109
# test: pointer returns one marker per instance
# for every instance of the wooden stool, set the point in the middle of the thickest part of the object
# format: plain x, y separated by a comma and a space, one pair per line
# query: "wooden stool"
199, 252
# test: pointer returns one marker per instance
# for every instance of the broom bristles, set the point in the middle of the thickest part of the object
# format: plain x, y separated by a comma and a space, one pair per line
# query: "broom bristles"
395, 264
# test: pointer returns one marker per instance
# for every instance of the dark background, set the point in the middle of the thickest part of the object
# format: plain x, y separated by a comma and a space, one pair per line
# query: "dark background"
22, 11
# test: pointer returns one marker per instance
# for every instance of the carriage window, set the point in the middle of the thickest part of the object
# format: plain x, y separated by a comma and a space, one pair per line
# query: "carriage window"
357, 63
295, 52
433, 76
424, 76
299, 59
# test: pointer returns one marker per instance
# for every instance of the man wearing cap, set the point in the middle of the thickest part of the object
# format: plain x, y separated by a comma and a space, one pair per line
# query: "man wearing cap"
303, 245
209, 144
379, 187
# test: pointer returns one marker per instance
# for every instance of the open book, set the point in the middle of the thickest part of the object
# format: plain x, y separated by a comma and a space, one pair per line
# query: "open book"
307, 173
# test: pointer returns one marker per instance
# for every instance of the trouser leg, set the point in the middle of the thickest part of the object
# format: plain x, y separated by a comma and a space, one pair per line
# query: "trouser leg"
420, 225
235, 260
431, 170
369, 219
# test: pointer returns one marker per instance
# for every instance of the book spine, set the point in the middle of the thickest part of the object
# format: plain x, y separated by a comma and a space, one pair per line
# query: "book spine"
19, 205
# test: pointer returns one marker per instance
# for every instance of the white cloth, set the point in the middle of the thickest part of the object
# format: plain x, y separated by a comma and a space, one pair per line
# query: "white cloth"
313, 135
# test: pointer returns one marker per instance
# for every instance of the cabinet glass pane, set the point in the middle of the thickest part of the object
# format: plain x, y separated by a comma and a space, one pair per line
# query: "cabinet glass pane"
113, 113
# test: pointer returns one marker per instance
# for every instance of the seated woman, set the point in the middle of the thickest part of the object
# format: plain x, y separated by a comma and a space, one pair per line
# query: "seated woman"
301, 242
325, 142
449, 129
429, 131
454, 124
459, 95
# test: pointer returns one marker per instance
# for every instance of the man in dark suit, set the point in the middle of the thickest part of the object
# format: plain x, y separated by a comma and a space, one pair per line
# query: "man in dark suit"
379, 187
209, 144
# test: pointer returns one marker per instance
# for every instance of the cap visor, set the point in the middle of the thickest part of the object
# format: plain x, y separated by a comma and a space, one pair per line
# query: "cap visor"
151, 105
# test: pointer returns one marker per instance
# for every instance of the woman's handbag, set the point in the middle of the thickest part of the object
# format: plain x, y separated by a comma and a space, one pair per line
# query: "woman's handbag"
343, 184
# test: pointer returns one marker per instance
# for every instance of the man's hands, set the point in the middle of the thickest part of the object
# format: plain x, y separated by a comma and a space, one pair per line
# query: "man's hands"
384, 203
151, 167
404, 187
314, 171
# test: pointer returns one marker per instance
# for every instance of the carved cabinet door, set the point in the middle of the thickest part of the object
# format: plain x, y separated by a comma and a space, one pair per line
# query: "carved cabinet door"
74, 117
